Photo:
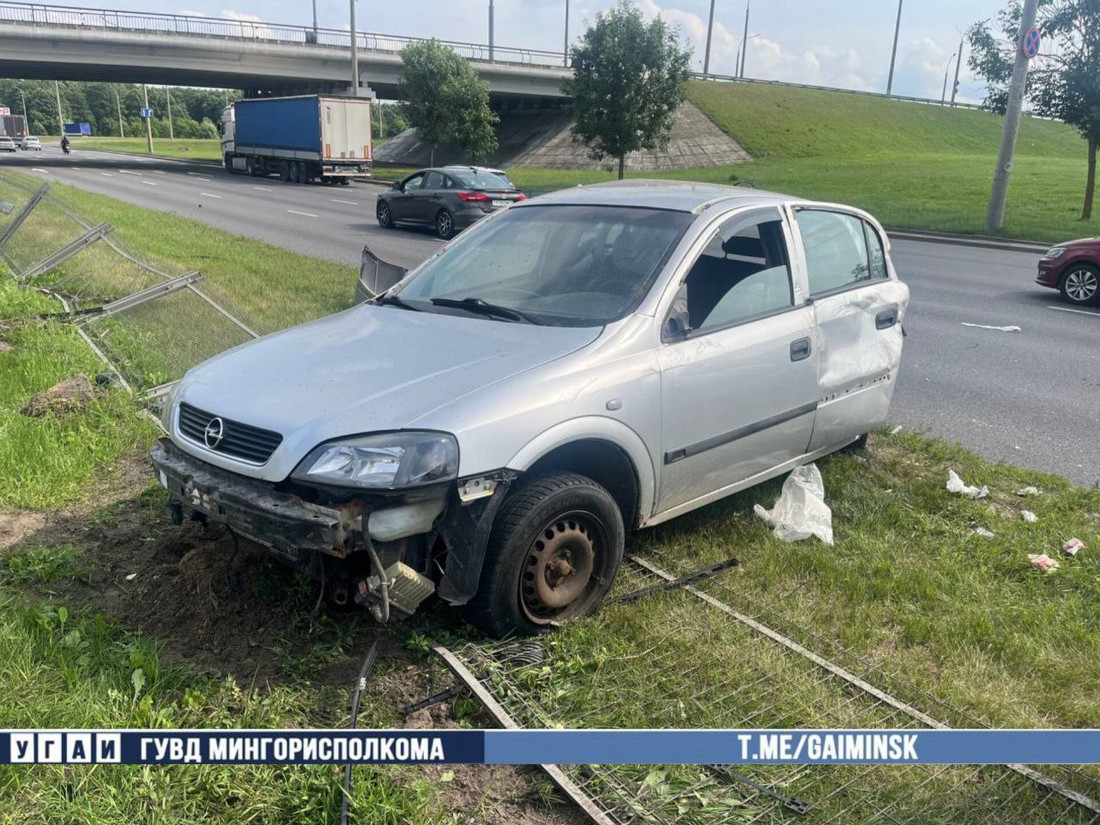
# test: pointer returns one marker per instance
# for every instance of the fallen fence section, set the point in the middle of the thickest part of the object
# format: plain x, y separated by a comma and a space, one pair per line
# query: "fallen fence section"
665, 674
148, 324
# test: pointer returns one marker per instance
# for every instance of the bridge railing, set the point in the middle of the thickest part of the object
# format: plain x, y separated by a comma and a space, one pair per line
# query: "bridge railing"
38, 14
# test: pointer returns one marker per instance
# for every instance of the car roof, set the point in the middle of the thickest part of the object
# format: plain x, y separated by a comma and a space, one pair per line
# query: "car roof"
682, 196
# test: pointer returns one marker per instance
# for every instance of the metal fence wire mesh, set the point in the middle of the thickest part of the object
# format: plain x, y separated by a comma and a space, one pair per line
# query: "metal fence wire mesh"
152, 321
659, 670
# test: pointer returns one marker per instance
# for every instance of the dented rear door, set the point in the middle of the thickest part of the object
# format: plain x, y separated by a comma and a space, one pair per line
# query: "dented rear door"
858, 306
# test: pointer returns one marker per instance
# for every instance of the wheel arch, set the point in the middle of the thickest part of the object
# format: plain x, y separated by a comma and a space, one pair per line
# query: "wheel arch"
603, 449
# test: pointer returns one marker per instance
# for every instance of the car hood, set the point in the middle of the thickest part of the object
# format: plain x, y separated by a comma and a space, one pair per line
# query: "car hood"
1078, 242
367, 369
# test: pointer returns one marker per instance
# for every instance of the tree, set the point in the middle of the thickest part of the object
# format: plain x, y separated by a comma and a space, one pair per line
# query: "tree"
446, 100
628, 79
1063, 81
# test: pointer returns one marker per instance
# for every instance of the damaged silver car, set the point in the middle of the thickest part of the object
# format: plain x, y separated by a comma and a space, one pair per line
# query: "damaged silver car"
591, 361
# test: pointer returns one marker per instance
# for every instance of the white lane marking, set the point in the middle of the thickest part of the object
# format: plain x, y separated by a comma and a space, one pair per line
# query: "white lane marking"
159, 172
349, 203
296, 212
1077, 311
208, 195
200, 176
106, 174
129, 172
36, 169
263, 188
148, 183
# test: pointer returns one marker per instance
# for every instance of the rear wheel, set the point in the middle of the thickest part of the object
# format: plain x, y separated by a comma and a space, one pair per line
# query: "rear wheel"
445, 224
385, 218
1081, 284
555, 550
229, 163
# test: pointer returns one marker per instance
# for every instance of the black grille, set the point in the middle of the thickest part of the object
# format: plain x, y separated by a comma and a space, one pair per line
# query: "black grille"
238, 440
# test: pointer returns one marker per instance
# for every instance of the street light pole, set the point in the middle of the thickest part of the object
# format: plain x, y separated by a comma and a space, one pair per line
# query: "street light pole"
997, 197
710, 30
354, 53
894, 52
171, 131
60, 119
955, 88
565, 48
946, 69
744, 40
490, 31
26, 120
314, 21
118, 102
148, 120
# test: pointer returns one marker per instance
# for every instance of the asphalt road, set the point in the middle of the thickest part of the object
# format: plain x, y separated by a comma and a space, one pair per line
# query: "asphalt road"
1029, 398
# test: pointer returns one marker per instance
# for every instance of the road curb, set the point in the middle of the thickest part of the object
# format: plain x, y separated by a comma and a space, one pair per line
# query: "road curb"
154, 156
976, 241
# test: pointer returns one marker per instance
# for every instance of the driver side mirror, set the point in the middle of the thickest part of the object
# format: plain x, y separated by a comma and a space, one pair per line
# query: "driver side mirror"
400, 187
678, 323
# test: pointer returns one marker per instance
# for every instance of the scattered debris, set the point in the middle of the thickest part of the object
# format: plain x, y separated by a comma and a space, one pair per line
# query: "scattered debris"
1028, 516
689, 578
800, 511
1043, 562
956, 485
1027, 491
131, 577
1073, 546
70, 396
981, 531
896, 430
998, 329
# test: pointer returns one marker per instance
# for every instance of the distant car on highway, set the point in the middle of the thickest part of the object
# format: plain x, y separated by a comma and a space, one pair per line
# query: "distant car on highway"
7, 144
1073, 268
447, 198
30, 142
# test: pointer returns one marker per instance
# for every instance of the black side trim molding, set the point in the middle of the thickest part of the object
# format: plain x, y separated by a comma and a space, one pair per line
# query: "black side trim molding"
672, 456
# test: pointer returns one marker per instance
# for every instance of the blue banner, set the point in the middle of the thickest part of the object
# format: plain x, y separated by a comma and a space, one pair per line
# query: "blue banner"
526, 747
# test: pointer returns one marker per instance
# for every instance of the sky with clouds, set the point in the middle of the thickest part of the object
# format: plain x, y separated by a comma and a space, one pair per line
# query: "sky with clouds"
842, 43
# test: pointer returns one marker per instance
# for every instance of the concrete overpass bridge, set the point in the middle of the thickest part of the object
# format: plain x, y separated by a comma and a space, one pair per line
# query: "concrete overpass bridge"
67, 43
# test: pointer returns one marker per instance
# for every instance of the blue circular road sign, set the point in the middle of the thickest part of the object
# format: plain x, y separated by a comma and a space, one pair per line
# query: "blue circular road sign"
1031, 42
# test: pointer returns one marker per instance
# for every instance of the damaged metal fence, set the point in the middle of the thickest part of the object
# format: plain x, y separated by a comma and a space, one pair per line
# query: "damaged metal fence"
668, 676
149, 322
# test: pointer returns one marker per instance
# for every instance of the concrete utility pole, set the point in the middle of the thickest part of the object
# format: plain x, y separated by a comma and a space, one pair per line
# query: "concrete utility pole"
354, 54
171, 131
60, 119
26, 119
894, 52
148, 120
490, 31
565, 48
955, 88
710, 30
118, 102
994, 219
946, 70
744, 40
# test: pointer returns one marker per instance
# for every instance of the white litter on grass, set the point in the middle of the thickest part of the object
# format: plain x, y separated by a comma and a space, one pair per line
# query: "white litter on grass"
1043, 562
956, 485
896, 430
131, 577
1028, 491
1028, 516
998, 329
985, 534
800, 511
1073, 546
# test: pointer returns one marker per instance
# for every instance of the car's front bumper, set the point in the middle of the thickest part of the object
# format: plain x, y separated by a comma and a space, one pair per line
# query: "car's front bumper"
1050, 270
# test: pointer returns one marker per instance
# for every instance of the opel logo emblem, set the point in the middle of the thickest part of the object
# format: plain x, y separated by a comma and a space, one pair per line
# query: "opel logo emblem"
214, 433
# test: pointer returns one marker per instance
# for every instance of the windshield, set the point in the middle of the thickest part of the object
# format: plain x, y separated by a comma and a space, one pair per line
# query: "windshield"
480, 179
555, 265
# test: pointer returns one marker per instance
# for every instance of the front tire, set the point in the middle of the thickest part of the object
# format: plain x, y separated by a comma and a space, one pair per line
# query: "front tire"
385, 217
554, 552
445, 225
1081, 284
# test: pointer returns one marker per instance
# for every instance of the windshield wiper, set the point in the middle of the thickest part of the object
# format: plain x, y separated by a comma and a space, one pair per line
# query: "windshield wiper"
395, 301
482, 307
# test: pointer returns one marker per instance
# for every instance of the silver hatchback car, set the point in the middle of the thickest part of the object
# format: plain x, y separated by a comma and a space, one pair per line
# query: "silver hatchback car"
598, 359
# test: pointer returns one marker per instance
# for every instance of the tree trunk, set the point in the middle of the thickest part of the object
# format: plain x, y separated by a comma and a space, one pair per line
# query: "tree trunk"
622, 159
1090, 184
431, 156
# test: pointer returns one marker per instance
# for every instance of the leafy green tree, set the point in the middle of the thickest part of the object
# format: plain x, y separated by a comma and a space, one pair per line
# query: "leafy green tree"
446, 100
628, 79
1064, 79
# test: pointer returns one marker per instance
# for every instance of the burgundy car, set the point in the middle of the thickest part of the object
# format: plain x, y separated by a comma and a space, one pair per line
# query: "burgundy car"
1073, 268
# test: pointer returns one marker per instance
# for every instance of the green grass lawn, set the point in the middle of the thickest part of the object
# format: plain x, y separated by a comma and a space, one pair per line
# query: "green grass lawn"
194, 149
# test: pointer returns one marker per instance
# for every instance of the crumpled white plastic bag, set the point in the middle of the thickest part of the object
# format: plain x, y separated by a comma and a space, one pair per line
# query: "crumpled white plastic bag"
800, 511
956, 485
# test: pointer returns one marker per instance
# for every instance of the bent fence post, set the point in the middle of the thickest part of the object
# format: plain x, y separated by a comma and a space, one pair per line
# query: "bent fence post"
22, 216
67, 251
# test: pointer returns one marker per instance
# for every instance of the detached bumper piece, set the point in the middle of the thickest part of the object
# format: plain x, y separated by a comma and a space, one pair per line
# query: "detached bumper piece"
285, 523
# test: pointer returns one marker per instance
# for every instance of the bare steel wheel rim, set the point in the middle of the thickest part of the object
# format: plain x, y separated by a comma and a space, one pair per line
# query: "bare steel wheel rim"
562, 566
445, 223
1082, 284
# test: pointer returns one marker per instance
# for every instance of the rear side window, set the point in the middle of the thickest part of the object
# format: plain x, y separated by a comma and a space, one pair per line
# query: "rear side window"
433, 180
841, 251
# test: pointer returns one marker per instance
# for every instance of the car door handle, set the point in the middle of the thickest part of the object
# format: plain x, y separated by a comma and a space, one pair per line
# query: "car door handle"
886, 318
800, 349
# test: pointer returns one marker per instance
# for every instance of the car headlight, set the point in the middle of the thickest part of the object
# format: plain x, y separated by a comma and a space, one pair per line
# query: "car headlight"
388, 461
1056, 252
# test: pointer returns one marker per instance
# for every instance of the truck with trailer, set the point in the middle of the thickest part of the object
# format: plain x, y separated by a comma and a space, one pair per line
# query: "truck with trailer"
14, 126
301, 139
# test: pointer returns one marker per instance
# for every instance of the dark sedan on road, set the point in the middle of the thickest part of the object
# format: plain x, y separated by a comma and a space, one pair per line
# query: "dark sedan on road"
1073, 268
447, 199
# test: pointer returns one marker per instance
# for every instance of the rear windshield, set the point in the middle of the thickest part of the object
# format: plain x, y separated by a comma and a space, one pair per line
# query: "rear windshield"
568, 265
481, 180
